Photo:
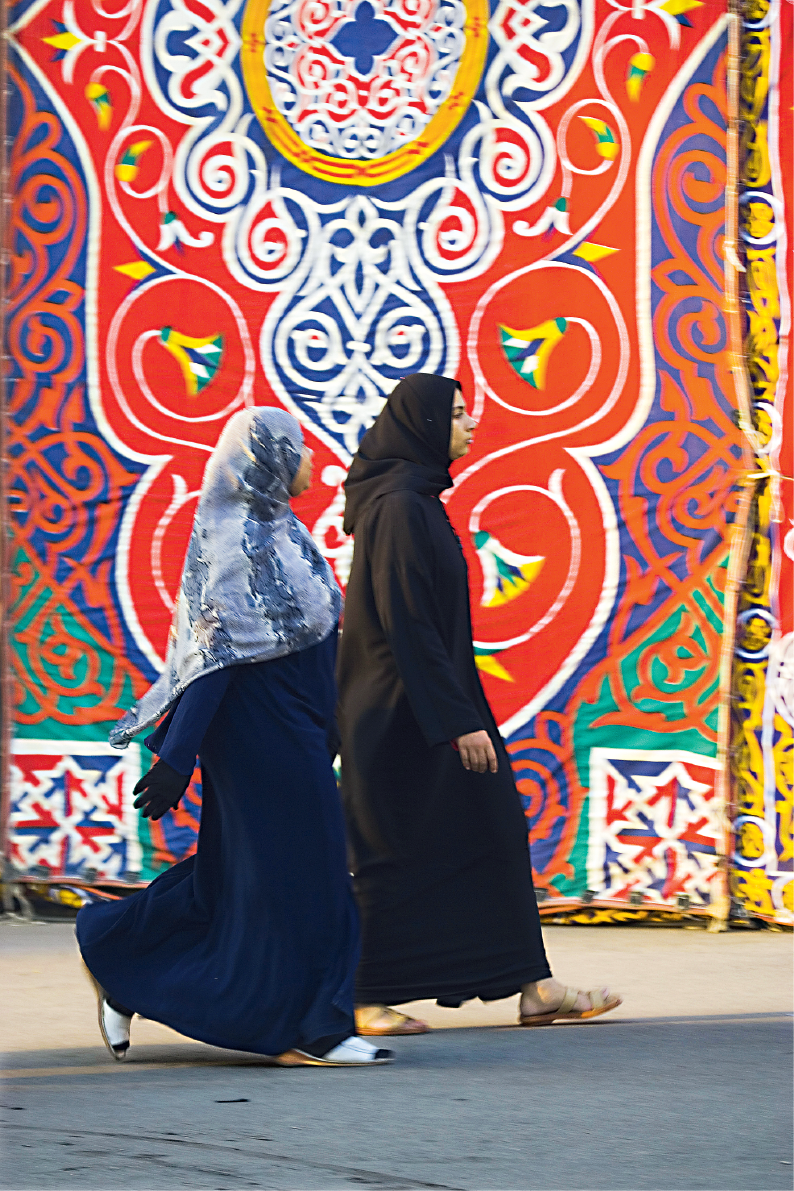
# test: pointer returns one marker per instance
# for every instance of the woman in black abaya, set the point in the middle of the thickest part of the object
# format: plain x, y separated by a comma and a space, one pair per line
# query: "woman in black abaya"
435, 823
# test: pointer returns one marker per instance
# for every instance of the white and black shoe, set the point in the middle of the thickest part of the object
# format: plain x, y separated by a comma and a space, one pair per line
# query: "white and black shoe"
353, 1052
115, 1029
113, 1025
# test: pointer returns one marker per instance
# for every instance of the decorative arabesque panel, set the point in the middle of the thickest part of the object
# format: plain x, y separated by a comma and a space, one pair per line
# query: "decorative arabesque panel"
301, 201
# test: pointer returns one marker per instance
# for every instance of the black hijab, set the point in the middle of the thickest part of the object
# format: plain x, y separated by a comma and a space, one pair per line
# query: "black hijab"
406, 448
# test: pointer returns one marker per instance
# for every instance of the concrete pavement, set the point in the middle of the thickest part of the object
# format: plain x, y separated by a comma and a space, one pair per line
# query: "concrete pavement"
687, 1085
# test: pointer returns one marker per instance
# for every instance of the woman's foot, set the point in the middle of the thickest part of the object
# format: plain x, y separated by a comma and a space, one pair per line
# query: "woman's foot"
380, 1020
114, 1026
115, 1029
547, 1000
353, 1052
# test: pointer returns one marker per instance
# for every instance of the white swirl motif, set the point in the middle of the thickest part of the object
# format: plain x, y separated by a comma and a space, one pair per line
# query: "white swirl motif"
217, 160
356, 276
329, 524
553, 493
335, 344
522, 34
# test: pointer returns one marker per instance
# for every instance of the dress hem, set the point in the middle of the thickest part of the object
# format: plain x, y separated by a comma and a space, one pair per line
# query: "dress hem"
448, 995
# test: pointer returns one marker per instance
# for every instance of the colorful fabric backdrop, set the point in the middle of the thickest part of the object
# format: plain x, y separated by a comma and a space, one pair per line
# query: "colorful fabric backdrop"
299, 202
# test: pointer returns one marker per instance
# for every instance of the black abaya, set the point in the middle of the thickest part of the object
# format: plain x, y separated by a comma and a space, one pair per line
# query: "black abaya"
440, 857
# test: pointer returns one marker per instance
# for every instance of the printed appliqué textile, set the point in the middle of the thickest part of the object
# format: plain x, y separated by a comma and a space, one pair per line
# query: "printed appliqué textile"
228, 203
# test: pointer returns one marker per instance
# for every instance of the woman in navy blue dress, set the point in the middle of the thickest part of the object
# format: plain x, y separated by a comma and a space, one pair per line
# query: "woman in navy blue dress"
251, 944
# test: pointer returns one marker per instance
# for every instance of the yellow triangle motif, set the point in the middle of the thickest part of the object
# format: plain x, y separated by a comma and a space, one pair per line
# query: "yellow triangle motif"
505, 573
63, 41
137, 270
99, 98
489, 665
528, 351
677, 8
640, 64
593, 252
199, 359
127, 168
606, 142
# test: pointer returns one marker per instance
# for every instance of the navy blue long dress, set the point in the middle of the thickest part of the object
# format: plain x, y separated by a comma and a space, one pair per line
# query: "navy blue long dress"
251, 944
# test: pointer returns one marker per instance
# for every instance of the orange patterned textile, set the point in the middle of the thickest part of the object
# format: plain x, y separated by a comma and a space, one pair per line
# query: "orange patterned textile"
578, 207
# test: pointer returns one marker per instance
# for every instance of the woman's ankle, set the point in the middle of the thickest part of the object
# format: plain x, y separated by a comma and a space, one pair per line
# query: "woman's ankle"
546, 992
117, 1007
321, 1046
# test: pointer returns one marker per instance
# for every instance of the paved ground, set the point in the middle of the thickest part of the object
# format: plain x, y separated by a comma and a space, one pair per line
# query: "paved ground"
686, 1086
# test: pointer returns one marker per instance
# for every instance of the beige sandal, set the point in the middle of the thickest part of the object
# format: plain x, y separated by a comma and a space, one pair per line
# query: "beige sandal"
566, 1012
377, 1020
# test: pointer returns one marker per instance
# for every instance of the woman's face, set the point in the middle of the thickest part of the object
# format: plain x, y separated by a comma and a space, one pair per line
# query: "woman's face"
303, 476
462, 430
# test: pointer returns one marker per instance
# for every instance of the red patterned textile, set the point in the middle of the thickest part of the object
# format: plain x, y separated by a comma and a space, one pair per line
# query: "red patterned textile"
227, 202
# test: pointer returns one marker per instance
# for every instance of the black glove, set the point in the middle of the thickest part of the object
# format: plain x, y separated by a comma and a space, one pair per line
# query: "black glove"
159, 790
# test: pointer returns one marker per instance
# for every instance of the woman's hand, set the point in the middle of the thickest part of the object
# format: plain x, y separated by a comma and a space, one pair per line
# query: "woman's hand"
477, 752
159, 790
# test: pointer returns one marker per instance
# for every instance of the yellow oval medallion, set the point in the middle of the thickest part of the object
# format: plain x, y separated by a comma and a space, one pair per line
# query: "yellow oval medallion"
358, 92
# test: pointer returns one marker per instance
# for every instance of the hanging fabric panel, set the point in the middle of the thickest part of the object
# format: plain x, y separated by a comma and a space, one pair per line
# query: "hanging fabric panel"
293, 202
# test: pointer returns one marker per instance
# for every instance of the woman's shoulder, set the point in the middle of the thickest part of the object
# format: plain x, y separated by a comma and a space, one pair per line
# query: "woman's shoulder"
401, 508
405, 500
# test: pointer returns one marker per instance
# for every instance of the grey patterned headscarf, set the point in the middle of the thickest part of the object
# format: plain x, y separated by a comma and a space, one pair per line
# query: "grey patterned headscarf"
254, 585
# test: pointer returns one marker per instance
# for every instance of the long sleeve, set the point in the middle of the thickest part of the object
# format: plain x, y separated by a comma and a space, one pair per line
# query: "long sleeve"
177, 739
410, 609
